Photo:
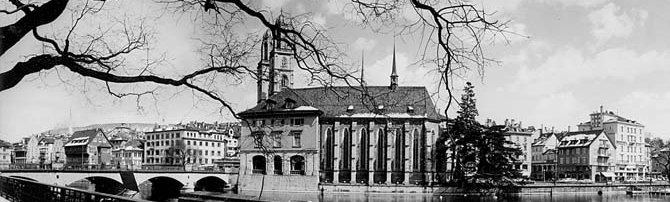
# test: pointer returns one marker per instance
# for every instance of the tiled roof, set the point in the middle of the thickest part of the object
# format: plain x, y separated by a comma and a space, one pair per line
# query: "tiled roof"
344, 101
579, 138
82, 137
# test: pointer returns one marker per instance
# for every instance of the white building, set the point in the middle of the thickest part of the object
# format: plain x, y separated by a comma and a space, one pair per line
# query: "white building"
632, 158
184, 147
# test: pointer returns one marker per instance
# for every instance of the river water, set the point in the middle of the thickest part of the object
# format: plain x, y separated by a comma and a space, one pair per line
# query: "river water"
378, 197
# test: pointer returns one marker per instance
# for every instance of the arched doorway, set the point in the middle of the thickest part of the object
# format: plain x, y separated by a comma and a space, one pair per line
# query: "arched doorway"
211, 184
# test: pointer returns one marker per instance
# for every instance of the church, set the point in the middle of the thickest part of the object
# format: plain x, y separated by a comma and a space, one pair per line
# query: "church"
307, 138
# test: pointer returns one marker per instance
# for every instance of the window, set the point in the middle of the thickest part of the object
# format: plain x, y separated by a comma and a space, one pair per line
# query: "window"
297, 122
276, 135
258, 138
296, 138
297, 165
258, 165
278, 165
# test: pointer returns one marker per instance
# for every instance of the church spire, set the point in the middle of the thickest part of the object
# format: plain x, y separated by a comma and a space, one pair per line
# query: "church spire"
363, 68
394, 75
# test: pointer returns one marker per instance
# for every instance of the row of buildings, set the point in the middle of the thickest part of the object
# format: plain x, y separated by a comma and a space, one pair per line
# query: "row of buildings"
607, 147
195, 145
306, 138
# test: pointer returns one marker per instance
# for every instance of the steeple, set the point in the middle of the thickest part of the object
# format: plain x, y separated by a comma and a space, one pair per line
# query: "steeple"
394, 75
363, 68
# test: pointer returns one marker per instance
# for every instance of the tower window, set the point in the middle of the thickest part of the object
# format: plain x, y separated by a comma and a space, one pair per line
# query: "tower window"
284, 81
284, 64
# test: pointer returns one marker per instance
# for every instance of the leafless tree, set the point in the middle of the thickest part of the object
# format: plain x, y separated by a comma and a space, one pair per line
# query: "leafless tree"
453, 34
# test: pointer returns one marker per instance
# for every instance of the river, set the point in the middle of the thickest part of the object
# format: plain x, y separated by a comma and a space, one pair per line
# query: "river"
392, 197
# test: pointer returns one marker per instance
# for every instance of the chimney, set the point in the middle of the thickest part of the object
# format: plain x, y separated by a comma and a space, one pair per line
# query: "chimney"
568, 128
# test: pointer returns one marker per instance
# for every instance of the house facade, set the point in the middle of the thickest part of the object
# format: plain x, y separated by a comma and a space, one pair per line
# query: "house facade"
543, 157
6, 151
586, 155
183, 147
88, 149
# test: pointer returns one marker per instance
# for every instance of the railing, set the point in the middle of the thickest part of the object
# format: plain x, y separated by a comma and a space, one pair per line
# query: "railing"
606, 154
297, 172
258, 171
278, 172
604, 146
15, 189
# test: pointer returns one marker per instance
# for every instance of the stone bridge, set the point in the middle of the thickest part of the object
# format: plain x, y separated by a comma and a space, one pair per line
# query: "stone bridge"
149, 182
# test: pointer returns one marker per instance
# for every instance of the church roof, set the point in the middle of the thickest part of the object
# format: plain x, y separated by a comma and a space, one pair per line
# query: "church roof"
345, 101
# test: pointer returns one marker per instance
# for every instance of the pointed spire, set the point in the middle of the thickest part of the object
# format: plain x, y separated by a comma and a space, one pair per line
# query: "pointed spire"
393, 72
363, 68
394, 75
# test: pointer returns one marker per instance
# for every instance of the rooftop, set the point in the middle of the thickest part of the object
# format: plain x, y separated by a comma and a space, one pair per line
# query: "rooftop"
345, 101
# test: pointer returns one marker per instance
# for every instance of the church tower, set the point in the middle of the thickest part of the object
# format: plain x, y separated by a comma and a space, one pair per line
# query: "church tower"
275, 70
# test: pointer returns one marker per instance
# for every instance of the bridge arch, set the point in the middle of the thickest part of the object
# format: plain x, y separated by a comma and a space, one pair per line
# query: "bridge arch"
160, 188
210, 183
99, 184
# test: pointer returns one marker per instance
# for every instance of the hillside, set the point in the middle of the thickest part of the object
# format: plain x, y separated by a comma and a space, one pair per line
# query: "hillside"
106, 127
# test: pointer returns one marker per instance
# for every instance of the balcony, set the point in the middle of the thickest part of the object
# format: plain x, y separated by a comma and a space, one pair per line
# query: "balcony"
606, 146
604, 164
278, 172
604, 154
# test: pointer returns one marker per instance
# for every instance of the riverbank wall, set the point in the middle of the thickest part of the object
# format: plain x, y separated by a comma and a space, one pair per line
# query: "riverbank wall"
527, 189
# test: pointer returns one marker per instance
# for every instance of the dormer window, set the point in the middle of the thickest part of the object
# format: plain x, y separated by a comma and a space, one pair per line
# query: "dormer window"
350, 108
380, 107
410, 109
270, 104
289, 103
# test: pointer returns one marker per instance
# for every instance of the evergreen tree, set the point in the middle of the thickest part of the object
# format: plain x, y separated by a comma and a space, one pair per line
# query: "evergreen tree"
477, 152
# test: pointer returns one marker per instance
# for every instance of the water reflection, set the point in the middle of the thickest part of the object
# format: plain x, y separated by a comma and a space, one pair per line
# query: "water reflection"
398, 197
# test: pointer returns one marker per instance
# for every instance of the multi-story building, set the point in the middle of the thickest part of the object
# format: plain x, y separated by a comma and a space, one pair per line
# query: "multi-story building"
628, 136
6, 151
88, 149
299, 138
586, 155
183, 147
544, 155
129, 155
522, 139
19, 154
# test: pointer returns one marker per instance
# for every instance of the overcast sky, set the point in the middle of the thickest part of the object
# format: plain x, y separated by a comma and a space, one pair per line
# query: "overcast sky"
578, 56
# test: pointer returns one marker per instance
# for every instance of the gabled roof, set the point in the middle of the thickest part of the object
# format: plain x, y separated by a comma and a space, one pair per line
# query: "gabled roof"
579, 138
345, 101
83, 137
